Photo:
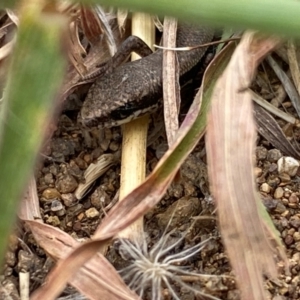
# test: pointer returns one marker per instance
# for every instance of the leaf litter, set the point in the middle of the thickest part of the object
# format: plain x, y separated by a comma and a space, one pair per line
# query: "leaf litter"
55, 242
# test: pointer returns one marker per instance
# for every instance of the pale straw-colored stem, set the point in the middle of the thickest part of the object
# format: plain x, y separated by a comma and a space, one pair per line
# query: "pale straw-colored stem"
133, 167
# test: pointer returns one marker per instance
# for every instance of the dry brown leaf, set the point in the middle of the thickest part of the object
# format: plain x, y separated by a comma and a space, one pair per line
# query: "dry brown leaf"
97, 278
231, 137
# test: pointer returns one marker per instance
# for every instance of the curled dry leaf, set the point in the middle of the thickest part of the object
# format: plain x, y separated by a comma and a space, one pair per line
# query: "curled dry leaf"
97, 278
230, 144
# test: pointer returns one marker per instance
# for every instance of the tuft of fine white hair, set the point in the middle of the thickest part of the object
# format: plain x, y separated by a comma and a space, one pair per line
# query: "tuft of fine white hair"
156, 268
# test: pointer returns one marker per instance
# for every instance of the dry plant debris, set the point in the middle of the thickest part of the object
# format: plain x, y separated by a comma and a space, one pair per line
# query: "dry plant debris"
62, 221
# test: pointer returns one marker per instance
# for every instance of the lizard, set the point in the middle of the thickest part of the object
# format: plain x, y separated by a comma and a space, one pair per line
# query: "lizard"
134, 88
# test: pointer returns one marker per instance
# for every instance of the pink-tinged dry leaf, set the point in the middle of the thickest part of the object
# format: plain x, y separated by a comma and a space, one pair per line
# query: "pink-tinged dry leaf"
97, 279
230, 141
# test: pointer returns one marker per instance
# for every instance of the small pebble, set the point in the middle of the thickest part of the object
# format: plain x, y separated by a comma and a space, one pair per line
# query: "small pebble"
273, 168
87, 158
77, 226
58, 208
296, 257
257, 171
285, 201
80, 216
53, 220
54, 169
273, 182
280, 208
265, 188
297, 246
51, 193
56, 205
273, 155
285, 177
114, 146
293, 205
49, 179
269, 203
293, 198
295, 221
261, 153
108, 133
296, 236
288, 240
10, 258
104, 144
92, 213
81, 163
288, 165
296, 280
278, 194
96, 153
69, 199
66, 184
99, 199
286, 214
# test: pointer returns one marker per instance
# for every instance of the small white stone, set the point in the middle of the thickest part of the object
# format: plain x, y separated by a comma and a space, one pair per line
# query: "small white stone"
288, 165
265, 188
92, 213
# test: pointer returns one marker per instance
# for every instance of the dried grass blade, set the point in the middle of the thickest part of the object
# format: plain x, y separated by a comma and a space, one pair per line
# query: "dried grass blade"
171, 87
230, 147
271, 131
97, 279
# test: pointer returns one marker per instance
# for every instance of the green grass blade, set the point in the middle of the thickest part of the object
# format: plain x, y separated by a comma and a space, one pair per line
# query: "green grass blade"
35, 74
278, 17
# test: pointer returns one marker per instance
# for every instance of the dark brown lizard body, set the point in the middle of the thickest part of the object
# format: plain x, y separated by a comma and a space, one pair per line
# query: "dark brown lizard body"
131, 89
